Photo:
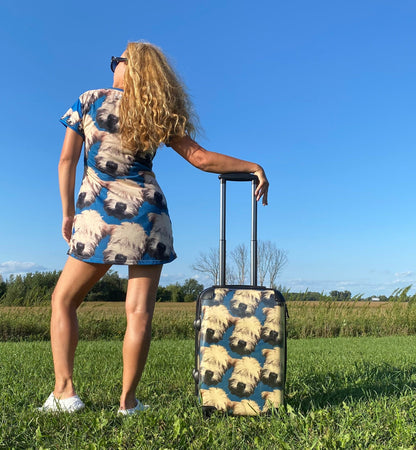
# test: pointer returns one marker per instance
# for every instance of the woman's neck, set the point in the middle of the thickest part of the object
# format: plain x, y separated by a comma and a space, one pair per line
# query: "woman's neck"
117, 84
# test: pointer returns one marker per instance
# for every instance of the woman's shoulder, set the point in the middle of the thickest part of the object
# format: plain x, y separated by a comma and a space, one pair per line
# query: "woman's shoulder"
88, 98
94, 94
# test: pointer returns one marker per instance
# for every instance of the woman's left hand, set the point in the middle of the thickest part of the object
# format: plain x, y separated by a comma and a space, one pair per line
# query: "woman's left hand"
67, 223
262, 186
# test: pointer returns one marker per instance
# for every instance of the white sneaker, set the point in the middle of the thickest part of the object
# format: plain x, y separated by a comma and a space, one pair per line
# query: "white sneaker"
69, 405
137, 409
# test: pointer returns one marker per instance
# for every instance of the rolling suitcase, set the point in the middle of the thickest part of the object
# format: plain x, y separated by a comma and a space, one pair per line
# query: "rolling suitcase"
240, 336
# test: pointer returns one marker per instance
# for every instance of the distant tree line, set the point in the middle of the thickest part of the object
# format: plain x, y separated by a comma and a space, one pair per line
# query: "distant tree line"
29, 289
187, 292
310, 296
399, 295
36, 289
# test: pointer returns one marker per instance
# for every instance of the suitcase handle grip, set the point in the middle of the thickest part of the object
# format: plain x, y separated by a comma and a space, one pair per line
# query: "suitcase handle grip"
238, 176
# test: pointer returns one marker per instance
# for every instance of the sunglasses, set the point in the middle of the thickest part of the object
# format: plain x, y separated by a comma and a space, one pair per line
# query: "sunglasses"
115, 60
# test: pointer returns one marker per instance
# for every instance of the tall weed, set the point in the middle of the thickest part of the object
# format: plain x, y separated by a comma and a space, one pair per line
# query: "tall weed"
175, 320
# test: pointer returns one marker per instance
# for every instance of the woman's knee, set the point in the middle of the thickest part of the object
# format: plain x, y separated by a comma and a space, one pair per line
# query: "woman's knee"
139, 315
139, 320
60, 299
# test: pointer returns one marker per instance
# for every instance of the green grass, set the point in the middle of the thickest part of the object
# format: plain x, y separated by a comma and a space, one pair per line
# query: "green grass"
342, 393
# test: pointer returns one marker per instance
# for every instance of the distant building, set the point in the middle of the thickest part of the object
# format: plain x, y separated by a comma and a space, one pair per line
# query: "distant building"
375, 299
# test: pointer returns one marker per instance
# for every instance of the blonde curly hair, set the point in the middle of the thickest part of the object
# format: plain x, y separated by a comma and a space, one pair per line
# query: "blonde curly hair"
155, 106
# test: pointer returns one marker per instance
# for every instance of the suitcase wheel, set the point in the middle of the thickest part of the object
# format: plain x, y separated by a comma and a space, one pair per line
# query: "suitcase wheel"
197, 324
207, 411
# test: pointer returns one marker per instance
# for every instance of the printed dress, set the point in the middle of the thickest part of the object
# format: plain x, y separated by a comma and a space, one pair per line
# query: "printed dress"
121, 213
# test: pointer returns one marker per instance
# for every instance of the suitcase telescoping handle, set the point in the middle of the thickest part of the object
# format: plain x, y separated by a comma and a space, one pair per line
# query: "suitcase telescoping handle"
237, 176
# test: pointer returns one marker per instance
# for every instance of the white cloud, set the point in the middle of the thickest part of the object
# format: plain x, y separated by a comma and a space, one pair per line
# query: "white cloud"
402, 275
19, 267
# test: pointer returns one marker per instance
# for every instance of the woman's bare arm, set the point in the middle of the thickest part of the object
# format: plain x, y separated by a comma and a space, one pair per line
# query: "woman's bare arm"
68, 161
218, 163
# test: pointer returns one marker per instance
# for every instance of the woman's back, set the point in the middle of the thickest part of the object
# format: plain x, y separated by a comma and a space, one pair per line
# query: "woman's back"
122, 215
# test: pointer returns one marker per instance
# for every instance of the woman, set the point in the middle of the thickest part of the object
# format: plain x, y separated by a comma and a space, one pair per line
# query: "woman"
121, 216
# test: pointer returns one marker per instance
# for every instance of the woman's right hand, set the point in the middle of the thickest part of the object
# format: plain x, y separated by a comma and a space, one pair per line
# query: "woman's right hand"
67, 223
262, 186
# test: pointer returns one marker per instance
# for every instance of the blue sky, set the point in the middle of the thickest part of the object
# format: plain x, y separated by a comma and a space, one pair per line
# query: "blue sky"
319, 93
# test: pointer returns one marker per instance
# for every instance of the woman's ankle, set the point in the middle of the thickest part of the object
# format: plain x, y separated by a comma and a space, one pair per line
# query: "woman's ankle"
64, 390
127, 401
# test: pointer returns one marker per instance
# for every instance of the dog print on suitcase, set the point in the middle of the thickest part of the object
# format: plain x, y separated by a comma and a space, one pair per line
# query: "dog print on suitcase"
241, 350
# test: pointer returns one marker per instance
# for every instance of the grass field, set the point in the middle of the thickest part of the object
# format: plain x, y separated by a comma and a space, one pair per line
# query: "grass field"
353, 389
341, 393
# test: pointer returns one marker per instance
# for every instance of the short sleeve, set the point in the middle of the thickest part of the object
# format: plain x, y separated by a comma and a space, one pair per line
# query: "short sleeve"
73, 118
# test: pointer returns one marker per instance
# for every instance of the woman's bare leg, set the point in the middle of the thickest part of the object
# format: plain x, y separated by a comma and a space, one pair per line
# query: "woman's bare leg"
140, 303
76, 279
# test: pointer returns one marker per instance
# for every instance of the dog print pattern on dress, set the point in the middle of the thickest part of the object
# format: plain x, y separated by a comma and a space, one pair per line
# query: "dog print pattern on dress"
241, 352
121, 212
